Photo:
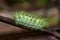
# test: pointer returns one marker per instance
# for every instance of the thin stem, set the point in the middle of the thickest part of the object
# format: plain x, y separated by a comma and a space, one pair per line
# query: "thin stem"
11, 22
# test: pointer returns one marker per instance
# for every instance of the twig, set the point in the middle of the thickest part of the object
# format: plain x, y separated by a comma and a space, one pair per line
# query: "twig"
11, 22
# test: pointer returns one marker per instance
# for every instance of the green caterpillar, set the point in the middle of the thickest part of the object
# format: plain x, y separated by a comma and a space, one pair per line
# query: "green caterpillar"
30, 21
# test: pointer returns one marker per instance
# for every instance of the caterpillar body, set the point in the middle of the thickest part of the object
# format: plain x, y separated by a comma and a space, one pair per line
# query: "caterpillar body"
30, 21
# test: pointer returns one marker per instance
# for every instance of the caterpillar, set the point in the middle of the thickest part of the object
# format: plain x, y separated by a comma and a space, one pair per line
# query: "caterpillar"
29, 20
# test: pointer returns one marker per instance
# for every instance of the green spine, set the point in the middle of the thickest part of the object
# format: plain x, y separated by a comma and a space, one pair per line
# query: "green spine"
30, 21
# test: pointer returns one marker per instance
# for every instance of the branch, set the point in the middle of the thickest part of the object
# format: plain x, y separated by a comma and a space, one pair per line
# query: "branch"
11, 22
